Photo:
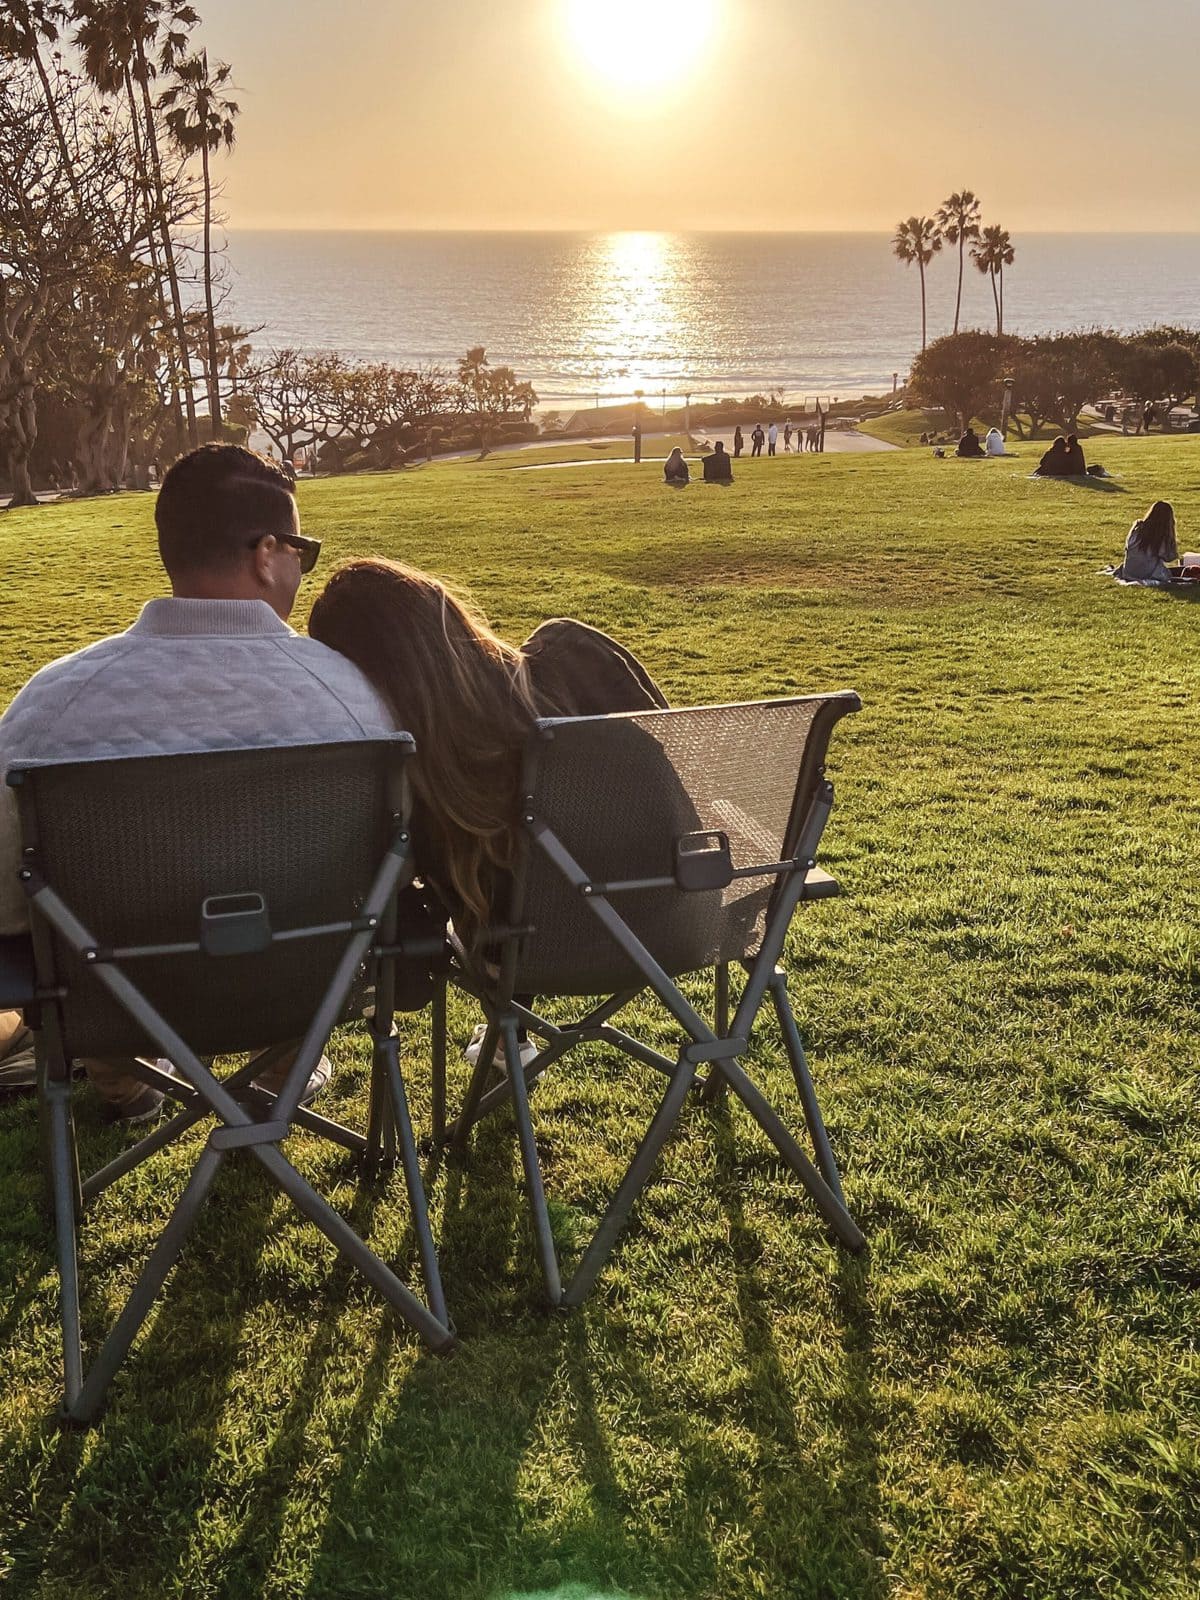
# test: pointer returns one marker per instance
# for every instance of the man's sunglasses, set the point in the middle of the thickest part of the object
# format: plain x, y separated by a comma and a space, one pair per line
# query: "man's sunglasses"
309, 549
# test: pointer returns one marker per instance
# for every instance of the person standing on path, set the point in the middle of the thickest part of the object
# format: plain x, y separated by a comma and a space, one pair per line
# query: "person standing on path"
637, 443
757, 439
738, 441
787, 437
772, 438
1148, 416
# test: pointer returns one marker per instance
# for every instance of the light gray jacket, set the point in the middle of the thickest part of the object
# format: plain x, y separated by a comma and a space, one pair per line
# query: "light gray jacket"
189, 675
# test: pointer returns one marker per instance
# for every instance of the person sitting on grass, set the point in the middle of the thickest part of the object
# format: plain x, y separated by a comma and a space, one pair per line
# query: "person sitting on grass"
215, 666
993, 444
1076, 461
717, 467
1150, 545
969, 447
470, 701
1054, 462
676, 470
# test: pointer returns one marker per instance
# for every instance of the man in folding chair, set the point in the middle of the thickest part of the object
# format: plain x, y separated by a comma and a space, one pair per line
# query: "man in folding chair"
657, 844
214, 667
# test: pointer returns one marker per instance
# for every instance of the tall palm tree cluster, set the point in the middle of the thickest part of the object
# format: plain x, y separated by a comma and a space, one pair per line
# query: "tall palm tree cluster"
111, 115
958, 222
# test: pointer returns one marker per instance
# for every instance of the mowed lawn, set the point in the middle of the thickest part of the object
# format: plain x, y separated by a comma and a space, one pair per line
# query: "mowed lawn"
1002, 1398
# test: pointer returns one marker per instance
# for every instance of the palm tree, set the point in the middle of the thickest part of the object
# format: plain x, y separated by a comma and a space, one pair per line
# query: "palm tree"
991, 253
918, 239
199, 117
24, 26
958, 221
117, 38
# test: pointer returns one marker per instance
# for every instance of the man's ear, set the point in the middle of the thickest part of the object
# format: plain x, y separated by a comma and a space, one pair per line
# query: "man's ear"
264, 556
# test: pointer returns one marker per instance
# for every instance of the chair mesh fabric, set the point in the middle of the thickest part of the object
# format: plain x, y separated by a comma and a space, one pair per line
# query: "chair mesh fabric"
619, 791
134, 847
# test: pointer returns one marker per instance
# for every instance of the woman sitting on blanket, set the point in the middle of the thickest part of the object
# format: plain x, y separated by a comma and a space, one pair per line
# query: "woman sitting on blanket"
675, 471
1150, 545
469, 700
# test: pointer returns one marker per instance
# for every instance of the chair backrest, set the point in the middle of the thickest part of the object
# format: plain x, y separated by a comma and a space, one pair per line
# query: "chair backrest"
620, 791
136, 845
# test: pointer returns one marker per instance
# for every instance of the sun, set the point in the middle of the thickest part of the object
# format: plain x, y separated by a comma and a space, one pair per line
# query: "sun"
635, 45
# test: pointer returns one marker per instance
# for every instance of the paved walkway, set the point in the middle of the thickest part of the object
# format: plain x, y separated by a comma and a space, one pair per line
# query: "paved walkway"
835, 444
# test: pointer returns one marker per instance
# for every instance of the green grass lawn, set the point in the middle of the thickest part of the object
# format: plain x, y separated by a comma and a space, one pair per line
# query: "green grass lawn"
1002, 1399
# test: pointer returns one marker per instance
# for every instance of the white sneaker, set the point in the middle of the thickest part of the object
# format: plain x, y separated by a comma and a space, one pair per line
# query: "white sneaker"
526, 1047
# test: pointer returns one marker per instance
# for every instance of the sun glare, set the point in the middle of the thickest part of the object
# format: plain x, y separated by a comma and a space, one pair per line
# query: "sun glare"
638, 45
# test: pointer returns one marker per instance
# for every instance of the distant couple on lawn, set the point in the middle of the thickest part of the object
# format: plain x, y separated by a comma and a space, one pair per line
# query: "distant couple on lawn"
216, 666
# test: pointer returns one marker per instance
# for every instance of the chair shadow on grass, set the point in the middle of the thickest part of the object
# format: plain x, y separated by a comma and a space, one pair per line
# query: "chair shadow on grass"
178, 1372
848, 1510
426, 1469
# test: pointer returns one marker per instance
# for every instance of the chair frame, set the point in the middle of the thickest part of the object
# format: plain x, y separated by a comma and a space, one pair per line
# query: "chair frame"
719, 1047
248, 1120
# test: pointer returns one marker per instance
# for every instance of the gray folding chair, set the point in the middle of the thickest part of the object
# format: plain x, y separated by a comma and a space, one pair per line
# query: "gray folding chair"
656, 844
193, 906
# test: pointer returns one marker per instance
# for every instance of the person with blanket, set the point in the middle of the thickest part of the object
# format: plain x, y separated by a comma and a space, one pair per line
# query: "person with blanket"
1150, 545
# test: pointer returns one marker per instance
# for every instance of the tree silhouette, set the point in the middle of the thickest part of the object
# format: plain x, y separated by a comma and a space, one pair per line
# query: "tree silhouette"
958, 222
200, 118
991, 253
918, 239
118, 39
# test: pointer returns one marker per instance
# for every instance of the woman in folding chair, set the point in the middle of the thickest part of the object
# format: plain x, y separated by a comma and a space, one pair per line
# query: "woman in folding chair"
644, 846
470, 700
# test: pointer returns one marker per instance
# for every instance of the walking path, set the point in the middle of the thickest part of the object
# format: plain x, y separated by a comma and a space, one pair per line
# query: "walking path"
835, 444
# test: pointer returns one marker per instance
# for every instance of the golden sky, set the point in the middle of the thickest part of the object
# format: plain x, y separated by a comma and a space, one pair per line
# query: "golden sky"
772, 114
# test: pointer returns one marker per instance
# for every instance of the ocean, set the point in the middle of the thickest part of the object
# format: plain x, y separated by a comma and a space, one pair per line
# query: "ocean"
590, 317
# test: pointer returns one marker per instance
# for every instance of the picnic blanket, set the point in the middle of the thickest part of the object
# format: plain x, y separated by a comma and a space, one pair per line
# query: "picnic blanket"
1189, 586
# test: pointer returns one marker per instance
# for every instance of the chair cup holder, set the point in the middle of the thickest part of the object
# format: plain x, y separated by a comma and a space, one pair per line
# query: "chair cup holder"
234, 925
702, 861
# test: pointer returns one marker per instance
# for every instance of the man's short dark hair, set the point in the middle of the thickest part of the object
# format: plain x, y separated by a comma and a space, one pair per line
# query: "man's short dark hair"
214, 501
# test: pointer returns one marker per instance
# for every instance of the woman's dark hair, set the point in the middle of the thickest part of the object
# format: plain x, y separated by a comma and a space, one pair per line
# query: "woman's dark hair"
460, 691
214, 501
1155, 533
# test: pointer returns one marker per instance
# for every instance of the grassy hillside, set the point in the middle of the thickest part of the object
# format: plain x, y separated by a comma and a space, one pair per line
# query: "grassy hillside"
1000, 1399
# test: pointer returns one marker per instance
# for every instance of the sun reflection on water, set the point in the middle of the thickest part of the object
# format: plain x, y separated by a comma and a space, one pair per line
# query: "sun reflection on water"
634, 311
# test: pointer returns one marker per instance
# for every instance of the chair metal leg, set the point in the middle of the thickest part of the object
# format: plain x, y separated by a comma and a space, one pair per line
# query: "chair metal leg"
632, 1184
804, 1085
461, 1126
768, 1119
437, 1335
417, 1201
547, 1254
86, 1405
375, 1104
64, 1181
438, 1026
715, 1085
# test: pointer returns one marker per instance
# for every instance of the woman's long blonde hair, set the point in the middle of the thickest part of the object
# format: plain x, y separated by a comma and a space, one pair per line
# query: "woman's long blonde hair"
463, 694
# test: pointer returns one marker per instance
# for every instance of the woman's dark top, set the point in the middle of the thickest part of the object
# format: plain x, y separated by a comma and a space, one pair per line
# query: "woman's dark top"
577, 671
676, 472
1076, 463
969, 446
1054, 463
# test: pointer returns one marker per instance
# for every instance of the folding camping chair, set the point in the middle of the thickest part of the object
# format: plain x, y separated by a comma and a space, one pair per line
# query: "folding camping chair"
192, 906
657, 844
